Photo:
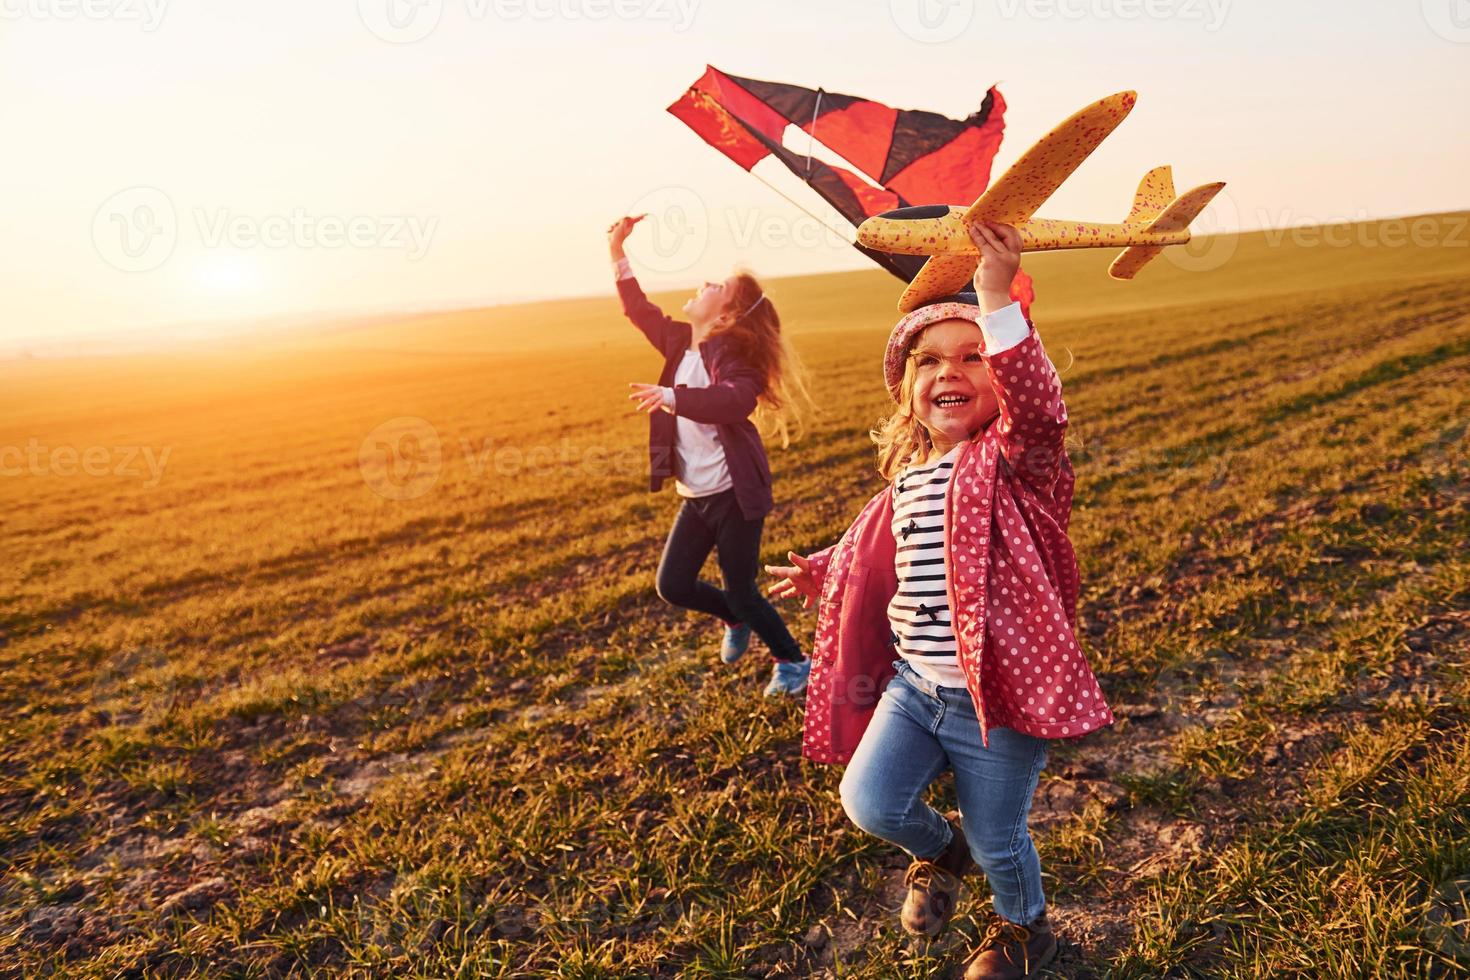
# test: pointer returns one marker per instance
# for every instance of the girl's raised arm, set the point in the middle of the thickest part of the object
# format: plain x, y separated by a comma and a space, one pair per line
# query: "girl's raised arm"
656, 325
1033, 417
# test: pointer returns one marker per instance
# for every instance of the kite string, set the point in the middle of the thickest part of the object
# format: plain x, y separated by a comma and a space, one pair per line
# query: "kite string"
842, 235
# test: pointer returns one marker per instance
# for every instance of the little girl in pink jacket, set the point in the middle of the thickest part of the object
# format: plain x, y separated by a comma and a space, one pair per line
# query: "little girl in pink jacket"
945, 634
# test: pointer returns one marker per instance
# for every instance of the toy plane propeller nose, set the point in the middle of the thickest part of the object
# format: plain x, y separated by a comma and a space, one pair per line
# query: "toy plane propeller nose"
916, 213
918, 230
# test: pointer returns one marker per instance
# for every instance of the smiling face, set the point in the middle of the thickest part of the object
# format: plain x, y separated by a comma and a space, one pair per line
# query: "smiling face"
952, 397
710, 301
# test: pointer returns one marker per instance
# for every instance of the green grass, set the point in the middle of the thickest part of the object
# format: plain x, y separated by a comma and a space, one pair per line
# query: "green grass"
527, 765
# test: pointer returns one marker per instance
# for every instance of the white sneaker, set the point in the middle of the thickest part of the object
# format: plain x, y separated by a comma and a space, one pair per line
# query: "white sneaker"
788, 678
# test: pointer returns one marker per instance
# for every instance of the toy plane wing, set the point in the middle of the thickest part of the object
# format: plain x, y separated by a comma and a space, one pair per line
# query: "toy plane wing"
1156, 220
1043, 168
942, 275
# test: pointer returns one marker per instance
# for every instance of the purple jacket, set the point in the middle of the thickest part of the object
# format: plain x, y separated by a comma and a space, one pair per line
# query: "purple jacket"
727, 403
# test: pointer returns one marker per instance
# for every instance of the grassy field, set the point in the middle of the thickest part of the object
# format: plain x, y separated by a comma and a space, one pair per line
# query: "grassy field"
341, 655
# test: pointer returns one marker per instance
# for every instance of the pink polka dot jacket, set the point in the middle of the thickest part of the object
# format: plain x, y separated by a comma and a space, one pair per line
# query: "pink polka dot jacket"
1012, 581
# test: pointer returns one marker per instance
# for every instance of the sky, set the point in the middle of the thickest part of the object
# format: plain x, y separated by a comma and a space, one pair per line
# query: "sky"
172, 166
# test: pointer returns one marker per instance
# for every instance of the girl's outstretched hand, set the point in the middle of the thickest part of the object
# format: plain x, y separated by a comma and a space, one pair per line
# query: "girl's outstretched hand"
1000, 257
796, 579
618, 232
649, 398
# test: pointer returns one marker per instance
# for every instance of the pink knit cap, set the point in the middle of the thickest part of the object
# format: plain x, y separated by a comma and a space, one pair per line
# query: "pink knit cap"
907, 328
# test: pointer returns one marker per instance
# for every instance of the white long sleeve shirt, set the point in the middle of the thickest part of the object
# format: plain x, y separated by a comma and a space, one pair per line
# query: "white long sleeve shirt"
919, 613
701, 467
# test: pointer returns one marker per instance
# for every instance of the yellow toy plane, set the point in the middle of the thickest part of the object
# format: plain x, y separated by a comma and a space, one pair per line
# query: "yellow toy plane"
938, 231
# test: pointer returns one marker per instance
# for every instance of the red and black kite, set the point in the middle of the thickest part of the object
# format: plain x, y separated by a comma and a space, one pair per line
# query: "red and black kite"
910, 156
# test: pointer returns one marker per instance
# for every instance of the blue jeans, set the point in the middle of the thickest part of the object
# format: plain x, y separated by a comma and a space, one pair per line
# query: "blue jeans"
918, 729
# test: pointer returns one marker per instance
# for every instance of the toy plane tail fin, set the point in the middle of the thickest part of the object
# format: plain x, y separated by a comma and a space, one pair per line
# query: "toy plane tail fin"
1155, 192
1176, 217
1131, 259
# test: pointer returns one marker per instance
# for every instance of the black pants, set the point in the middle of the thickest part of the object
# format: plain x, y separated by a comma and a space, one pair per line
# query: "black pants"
715, 522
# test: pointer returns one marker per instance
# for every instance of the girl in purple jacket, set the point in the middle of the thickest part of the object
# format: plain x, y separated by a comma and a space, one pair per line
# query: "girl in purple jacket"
727, 363
945, 634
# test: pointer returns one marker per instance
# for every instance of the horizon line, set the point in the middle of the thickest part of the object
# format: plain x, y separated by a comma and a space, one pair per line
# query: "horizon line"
25, 348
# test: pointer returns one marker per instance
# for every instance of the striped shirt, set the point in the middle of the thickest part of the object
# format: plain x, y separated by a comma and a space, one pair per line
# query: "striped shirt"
918, 615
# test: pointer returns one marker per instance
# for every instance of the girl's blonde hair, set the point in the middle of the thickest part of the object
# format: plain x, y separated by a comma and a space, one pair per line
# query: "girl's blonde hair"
901, 438
754, 329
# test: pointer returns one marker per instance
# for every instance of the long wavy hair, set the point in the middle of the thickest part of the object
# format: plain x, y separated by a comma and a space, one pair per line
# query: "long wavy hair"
753, 327
900, 437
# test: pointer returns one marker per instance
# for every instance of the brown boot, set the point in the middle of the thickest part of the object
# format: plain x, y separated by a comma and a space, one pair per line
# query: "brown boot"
1008, 951
934, 887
